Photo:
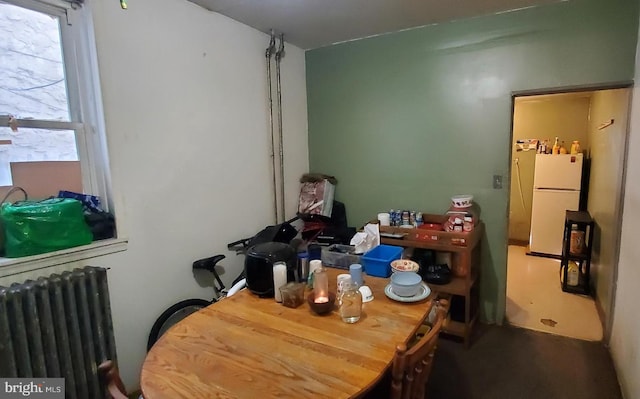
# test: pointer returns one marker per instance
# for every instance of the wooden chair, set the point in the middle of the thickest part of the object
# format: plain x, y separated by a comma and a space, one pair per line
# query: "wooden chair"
411, 367
111, 379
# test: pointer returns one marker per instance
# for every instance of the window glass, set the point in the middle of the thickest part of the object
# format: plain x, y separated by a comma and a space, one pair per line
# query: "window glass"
32, 79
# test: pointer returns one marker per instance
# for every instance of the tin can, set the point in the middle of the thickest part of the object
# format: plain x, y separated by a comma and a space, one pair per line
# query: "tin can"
467, 222
405, 218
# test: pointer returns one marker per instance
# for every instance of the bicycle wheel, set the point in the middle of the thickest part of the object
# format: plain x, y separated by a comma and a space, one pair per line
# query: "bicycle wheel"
173, 315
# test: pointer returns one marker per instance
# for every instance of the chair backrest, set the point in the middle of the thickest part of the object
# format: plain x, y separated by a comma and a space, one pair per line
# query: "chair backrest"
111, 379
411, 367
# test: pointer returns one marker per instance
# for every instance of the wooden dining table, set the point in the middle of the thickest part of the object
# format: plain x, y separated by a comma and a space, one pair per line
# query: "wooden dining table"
249, 347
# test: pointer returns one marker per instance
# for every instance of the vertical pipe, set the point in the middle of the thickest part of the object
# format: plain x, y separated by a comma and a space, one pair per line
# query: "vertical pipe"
8, 366
279, 56
269, 52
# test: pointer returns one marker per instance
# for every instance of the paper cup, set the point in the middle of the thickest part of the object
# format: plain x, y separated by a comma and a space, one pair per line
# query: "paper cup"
384, 219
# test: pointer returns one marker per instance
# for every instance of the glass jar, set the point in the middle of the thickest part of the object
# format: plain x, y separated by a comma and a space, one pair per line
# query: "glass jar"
320, 285
350, 303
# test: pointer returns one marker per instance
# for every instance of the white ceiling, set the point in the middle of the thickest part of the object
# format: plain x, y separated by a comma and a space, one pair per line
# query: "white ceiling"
310, 24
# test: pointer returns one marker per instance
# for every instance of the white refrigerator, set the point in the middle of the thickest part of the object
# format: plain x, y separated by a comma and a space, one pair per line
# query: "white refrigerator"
556, 189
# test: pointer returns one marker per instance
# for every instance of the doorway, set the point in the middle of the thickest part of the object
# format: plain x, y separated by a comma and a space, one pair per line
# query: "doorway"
598, 121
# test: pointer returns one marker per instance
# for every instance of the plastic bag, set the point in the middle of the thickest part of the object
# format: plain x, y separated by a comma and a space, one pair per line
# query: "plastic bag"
35, 227
6, 197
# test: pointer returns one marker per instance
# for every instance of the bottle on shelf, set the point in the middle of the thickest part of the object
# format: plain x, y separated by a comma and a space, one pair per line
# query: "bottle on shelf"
542, 147
575, 147
576, 240
556, 147
573, 274
563, 149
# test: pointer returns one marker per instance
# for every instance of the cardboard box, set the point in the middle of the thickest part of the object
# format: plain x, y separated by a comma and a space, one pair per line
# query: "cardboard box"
316, 198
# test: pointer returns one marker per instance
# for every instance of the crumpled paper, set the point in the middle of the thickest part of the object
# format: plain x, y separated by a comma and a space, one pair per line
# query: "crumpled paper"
367, 239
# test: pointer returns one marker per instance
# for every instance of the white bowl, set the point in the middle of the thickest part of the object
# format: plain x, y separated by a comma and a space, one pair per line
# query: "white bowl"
406, 284
404, 265
462, 201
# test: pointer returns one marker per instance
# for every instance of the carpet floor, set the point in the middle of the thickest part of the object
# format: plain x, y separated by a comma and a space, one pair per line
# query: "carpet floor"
514, 363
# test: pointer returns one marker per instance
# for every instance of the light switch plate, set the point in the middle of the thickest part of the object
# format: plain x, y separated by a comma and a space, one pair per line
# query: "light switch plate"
497, 181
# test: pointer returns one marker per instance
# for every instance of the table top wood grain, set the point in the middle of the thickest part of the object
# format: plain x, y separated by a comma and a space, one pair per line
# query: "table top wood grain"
250, 347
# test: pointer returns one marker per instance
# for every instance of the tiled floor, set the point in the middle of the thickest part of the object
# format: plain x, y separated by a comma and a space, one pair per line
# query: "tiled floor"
536, 301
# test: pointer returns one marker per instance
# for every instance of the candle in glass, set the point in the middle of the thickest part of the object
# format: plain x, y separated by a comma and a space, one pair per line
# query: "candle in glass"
320, 285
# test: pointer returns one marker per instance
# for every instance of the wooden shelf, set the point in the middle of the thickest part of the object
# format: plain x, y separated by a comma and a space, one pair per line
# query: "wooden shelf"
457, 286
457, 328
466, 258
445, 241
453, 327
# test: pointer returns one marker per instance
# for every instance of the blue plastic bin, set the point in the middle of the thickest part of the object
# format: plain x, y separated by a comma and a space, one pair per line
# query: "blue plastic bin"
377, 261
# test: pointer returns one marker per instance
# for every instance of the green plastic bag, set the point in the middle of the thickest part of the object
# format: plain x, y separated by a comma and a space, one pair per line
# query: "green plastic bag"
36, 227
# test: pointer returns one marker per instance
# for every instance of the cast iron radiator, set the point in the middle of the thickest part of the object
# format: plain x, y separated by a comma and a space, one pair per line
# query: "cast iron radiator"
58, 326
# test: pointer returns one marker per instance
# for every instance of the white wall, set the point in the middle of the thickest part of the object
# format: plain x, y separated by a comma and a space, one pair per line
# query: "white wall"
625, 338
605, 188
184, 93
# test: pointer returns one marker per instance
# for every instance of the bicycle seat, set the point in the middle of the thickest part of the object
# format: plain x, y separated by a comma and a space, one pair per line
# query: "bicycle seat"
208, 263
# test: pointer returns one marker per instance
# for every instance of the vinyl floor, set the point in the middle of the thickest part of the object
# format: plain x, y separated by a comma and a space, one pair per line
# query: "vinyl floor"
535, 299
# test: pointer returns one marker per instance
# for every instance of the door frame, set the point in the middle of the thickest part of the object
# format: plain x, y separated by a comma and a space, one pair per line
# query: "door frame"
607, 322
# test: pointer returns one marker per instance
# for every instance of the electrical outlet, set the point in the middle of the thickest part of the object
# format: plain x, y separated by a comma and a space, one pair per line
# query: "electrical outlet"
497, 181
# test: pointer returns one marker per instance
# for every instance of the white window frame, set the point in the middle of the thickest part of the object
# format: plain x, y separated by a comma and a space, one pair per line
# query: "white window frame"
83, 94
82, 78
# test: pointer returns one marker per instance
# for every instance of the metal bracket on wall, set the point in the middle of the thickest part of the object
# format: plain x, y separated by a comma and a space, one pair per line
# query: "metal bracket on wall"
606, 124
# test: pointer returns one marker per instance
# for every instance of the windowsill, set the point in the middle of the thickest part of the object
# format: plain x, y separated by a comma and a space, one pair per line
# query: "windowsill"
11, 266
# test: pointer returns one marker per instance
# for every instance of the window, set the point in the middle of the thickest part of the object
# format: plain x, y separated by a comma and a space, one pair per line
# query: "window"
51, 127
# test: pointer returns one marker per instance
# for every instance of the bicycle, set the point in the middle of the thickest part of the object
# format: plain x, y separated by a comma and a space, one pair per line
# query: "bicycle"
182, 309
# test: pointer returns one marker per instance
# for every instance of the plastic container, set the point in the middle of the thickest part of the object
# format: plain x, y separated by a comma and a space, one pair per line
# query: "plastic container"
573, 274
575, 147
377, 261
339, 256
292, 294
576, 242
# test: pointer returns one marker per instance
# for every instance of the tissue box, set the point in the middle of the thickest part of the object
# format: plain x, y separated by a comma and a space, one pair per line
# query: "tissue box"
377, 262
339, 256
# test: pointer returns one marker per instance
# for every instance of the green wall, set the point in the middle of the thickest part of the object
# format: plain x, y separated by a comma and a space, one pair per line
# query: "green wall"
408, 119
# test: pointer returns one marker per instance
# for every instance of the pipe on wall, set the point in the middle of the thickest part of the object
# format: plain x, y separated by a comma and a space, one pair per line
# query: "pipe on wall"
269, 53
279, 55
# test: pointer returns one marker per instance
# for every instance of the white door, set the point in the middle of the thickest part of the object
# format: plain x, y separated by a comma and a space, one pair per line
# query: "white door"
560, 171
547, 219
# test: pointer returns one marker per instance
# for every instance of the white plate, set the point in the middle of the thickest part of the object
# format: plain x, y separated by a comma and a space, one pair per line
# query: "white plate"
423, 293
